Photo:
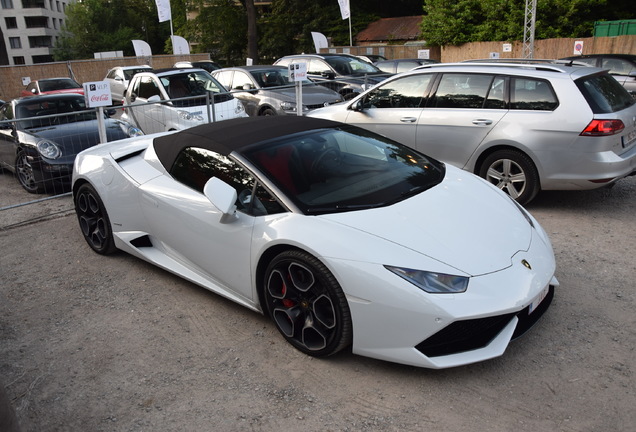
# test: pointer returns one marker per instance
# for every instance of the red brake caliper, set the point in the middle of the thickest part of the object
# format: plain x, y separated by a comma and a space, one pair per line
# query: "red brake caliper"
287, 302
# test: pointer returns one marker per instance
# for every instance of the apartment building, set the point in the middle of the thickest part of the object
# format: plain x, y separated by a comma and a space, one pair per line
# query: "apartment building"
28, 30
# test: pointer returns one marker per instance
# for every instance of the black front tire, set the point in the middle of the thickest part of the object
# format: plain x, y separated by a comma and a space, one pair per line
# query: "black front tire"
93, 220
26, 175
513, 172
268, 112
307, 304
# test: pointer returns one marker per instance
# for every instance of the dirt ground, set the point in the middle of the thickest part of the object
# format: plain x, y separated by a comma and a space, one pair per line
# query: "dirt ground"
93, 343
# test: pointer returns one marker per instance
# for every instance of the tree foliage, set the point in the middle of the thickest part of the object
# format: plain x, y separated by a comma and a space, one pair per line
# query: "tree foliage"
454, 22
109, 25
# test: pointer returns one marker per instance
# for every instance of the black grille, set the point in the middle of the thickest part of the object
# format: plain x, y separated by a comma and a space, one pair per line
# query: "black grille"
468, 335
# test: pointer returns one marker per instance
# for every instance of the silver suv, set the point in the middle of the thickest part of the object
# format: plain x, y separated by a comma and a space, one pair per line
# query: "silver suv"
523, 128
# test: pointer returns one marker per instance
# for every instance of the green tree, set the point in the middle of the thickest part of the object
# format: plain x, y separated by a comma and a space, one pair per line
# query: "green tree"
454, 22
110, 25
219, 28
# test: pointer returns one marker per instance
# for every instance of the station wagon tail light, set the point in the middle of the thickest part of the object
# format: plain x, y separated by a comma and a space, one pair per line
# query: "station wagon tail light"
603, 128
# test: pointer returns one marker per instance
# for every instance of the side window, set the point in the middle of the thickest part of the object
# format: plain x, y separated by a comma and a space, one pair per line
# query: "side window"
316, 66
111, 74
225, 78
194, 167
496, 94
462, 90
147, 88
241, 79
406, 92
404, 66
617, 66
532, 94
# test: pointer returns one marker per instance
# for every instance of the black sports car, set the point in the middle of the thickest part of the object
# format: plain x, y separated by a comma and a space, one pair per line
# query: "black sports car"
41, 135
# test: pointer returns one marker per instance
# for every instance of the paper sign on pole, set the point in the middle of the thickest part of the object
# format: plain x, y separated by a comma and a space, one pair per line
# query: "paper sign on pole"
297, 71
578, 47
97, 94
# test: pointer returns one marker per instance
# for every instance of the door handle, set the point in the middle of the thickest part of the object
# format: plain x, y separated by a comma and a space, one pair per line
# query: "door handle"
484, 122
408, 119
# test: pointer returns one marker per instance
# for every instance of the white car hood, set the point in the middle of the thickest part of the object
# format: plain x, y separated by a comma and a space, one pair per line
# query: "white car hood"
462, 222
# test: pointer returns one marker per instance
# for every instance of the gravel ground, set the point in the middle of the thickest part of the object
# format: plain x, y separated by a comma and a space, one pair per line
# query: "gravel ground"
93, 343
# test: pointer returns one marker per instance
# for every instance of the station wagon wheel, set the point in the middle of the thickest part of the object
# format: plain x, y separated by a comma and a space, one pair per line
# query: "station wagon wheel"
26, 176
268, 112
307, 304
513, 172
93, 220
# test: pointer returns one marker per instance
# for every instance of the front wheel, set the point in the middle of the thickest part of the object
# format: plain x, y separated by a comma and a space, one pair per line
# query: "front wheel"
26, 175
307, 304
93, 220
513, 172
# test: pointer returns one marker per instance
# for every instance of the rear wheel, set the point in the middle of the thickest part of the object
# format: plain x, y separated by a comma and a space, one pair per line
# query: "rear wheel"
93, 220
307, 304
268, 112
513, 172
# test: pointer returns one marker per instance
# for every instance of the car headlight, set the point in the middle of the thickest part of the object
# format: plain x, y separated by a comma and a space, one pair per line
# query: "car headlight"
431, 282
132, 131
239, 107
291, 106
184, 115
49, 149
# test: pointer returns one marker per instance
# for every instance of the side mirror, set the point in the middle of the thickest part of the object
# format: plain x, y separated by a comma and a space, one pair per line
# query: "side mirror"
221, 195
246, 87
328, 74
34, 91
154, 98
110, 112
358, 105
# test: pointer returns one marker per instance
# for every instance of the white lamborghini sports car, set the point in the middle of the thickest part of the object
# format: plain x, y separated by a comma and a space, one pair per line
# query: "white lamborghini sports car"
346, 239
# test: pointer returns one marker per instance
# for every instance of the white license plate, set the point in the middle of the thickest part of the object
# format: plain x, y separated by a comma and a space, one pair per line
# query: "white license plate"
538, 300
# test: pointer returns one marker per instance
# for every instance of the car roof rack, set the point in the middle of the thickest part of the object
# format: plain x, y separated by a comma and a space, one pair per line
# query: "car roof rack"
538, 66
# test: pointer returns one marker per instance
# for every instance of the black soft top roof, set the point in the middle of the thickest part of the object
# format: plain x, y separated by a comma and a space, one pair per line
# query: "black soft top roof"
227, 136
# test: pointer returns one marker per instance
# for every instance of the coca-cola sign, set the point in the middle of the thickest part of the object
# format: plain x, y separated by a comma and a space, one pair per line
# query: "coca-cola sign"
97, 94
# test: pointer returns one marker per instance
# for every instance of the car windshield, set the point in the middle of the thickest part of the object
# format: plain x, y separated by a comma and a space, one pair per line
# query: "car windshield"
129, 73
51, 112
344, 169
351, 66
58, 84
604, 93
274, 77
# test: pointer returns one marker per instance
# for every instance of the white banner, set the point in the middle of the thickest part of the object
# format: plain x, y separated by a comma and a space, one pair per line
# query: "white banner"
163, 9
344, 9
142, 49
320, 41
179, 45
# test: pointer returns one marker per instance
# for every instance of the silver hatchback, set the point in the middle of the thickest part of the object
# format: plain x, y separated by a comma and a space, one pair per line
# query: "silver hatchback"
524, 128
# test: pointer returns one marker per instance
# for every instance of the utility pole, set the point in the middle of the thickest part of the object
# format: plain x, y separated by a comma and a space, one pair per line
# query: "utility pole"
528, 29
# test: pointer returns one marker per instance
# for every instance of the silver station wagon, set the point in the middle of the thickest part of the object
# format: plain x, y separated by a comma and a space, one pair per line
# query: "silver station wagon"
522, 127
